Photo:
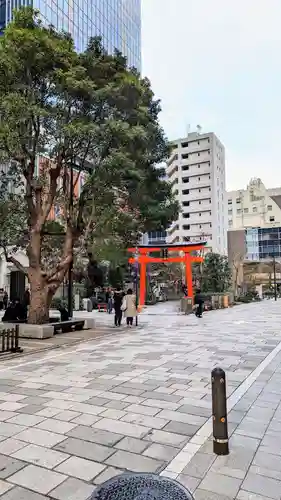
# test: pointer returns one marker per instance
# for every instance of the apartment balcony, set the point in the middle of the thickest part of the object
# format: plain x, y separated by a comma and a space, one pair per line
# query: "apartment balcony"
195, 170
193, 195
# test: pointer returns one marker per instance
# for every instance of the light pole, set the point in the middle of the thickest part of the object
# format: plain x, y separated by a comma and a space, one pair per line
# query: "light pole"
137, 282
70, 272
274, 277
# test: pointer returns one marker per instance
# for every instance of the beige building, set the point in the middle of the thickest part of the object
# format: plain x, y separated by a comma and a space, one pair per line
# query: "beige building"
196, 169
255, 206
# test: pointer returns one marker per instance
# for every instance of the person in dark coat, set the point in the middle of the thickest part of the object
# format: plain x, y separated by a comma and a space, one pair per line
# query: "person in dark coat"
117, 303
1, 298
26, 298
199, 302
5, 300
15, 312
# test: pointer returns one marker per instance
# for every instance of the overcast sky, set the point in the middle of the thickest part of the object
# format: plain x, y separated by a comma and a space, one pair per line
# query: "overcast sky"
217, 63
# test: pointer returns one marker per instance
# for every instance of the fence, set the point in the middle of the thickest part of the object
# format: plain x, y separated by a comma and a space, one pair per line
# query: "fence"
9, 340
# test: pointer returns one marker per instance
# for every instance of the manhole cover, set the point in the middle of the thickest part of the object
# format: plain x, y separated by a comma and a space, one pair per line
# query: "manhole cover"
141, 487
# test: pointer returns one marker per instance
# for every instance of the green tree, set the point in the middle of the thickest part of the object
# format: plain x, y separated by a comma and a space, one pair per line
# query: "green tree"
216, 274
83, 111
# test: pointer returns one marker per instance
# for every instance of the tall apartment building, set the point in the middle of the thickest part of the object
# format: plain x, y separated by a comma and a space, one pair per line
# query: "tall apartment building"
118, 22
254, 207
196, 168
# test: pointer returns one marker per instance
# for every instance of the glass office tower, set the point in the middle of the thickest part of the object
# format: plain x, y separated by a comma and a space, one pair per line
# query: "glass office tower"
118, 22
263, 243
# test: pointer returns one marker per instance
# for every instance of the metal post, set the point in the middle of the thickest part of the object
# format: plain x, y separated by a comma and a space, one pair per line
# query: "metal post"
70, 273
137, 284
219, 411
274, 278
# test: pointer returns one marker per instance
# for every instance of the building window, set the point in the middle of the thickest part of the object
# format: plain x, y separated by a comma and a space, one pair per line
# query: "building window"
269, 208
209, 151
271, 219
200, 214
238, 200
199, 179
184, 156
246, 210
198, 154
198, 166
255, 209
211, 225
239, 210
199, 202
200, 228
230, 222
184, 144
229, 202
230, 212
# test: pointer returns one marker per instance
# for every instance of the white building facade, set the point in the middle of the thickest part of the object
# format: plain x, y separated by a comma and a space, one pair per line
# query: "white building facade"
196, 169
254, 206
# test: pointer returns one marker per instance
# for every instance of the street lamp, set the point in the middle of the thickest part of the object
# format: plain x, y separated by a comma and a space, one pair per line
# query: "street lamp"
70, 272
274, 277
137, 282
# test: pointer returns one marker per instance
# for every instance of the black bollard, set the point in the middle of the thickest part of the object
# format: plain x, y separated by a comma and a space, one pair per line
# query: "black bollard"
219, 411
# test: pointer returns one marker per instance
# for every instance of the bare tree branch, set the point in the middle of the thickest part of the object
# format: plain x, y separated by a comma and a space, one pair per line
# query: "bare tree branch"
13, 260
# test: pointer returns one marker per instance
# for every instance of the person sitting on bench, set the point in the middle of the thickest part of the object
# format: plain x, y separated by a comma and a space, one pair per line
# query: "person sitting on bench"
64, 316
15, 312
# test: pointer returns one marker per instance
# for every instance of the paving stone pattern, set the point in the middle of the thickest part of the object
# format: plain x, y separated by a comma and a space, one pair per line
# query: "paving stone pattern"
71, 419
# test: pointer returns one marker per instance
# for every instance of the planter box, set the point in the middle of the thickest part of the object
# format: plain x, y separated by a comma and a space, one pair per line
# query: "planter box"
186, 305
30, 331
36, 331
220, 301
90, 323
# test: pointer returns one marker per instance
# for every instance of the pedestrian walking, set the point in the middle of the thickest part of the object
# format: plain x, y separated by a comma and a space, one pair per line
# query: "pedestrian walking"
5, 300
199, 302
26, 300
129, 307
109, 301
117, 303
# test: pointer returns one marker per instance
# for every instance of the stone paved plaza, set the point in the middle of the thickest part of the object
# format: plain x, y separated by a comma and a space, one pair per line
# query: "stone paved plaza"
140, 401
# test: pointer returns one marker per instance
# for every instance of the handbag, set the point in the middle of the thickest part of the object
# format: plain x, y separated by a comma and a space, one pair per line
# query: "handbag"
124, 305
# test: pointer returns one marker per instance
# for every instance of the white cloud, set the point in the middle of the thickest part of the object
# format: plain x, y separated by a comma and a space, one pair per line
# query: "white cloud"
217, 63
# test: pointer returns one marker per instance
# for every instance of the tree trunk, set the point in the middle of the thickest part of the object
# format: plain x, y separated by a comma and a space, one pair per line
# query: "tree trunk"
40, 299
39, 307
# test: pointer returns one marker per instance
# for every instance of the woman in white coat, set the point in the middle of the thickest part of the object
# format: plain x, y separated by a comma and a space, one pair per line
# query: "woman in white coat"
129, 307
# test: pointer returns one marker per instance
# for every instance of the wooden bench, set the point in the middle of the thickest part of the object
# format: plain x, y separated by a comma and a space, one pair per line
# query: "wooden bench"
102, 307
68, 326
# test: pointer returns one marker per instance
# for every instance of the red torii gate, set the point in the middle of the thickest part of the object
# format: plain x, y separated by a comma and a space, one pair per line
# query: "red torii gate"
142, 257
